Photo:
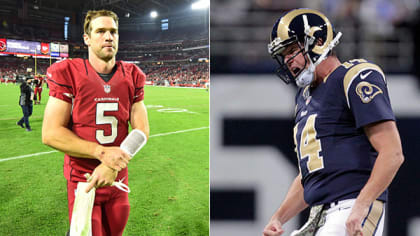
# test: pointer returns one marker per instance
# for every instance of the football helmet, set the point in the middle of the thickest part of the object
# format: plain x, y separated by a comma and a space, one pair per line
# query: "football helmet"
315, 37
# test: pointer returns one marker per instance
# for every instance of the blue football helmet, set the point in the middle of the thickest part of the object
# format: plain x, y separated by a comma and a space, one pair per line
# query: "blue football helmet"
312, 32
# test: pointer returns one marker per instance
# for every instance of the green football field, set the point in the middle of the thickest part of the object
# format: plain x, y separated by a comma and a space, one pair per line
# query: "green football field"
169, 177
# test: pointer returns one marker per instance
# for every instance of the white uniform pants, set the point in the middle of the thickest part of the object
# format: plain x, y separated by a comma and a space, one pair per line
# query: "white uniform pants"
337, 214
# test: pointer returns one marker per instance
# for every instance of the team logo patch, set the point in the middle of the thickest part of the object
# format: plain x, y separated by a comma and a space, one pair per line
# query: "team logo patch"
107, 88
367, 91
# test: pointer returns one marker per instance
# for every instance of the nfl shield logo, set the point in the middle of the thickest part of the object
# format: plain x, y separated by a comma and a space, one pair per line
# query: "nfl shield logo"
107, 88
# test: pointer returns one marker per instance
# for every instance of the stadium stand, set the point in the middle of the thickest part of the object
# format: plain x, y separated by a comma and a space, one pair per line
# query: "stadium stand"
181, 52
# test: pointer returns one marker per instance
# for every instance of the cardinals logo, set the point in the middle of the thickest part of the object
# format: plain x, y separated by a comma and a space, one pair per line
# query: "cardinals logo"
45, 48
3, 45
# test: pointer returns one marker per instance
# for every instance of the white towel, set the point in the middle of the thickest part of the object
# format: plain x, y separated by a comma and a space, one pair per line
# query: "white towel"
81, 220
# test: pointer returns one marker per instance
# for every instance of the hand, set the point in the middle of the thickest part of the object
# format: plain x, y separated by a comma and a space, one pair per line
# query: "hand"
113, 157
101, 176
354, 221
273, 228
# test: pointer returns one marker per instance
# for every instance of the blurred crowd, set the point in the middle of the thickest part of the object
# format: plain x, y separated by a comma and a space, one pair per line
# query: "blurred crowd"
12, 68
383, 31
170, 63
186, 75
165, 71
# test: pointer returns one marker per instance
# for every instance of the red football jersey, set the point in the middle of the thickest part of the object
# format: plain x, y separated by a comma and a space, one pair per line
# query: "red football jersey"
100, 110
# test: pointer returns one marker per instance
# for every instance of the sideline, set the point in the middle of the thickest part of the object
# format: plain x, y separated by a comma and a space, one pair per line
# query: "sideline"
151, 136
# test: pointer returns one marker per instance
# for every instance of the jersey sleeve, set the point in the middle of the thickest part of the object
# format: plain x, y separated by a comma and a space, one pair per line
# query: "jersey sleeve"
59, 82
367, 94
139, 79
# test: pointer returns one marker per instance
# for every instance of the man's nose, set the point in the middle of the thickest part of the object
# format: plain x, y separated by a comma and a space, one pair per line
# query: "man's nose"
108, 36
288, 56
288, 59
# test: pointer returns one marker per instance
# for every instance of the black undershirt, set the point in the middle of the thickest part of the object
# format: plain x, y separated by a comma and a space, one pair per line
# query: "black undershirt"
107, 77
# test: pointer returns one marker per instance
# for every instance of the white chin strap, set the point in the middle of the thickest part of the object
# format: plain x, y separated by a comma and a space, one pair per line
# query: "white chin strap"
307, 76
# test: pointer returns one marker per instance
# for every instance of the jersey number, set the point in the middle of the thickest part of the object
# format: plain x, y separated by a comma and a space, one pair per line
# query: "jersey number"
102, 119
309, 146
351, 62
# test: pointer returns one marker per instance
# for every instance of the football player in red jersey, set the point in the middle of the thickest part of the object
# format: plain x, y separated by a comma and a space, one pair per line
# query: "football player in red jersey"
91, 102
38, 88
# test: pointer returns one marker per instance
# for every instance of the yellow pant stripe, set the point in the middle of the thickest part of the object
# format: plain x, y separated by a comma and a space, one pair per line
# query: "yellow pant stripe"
373, 218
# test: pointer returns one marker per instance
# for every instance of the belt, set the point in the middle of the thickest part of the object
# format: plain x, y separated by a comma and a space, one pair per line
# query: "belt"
335, 203
330, 205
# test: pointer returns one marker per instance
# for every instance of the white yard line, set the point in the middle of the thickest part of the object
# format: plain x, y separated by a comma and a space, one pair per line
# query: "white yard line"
28, 155
177, 132
151, 136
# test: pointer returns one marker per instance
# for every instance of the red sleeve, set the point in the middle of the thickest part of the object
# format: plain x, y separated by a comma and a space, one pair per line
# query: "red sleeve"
139, 79
59, 82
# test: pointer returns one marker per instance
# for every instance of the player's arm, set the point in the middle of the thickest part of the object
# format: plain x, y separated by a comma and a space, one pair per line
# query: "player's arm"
56, 134
385, 138
292, 205
138, 118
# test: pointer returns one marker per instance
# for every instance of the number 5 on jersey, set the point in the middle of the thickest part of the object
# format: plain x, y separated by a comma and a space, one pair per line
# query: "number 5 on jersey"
309, 146
102, 119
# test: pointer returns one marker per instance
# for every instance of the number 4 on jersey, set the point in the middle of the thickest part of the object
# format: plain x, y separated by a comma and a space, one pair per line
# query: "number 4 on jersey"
309, 146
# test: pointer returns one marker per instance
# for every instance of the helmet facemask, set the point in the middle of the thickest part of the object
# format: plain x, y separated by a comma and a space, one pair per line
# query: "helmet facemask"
284, 72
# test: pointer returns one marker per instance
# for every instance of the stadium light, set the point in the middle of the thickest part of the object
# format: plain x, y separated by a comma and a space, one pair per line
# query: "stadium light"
201, 4
153, 14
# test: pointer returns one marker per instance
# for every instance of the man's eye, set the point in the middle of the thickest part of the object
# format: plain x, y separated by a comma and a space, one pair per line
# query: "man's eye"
287, 52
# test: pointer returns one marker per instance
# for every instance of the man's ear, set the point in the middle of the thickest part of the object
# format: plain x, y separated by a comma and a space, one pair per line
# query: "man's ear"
86, 39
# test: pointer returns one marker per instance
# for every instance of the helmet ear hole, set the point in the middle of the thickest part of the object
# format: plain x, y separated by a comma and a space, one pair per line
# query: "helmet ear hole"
319, 42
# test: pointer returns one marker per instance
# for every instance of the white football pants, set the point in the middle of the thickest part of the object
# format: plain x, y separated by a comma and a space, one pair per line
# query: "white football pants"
337, 214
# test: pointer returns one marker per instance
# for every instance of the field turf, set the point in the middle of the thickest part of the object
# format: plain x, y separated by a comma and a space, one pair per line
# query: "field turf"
169, 177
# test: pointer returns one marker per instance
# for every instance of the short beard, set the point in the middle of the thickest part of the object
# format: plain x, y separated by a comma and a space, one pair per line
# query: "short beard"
106, 57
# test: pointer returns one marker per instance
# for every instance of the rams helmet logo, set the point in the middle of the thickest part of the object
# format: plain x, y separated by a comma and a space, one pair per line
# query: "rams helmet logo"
367, 91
